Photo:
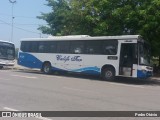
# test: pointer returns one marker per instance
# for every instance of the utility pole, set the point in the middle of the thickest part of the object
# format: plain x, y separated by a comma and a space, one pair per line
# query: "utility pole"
12, 2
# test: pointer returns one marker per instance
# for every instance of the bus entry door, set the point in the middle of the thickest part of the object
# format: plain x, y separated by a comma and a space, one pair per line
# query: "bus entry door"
128, 58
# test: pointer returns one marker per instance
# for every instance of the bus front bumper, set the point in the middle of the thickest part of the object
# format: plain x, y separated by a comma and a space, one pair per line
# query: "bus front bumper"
7, 63
144, 74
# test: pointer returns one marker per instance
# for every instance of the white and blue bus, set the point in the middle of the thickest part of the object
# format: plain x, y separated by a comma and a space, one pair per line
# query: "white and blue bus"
7, 54
108, 56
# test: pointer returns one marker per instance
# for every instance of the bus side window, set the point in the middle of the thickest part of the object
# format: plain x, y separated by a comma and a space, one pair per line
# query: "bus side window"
22, 46
1, 51
110, 47
25, 46
63, 47
90, 50
52, 47
41, 48
93, 47
33, 46
77, 51
77, 47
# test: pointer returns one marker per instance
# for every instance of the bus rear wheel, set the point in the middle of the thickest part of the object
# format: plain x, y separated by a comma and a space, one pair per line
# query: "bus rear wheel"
108, 74
46, 69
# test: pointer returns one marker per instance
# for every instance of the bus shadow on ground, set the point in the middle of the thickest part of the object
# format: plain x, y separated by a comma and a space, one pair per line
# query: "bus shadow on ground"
134, 81
121, 80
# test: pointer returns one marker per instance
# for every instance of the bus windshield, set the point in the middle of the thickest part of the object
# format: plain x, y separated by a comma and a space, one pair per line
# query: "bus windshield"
144, 54
7, 51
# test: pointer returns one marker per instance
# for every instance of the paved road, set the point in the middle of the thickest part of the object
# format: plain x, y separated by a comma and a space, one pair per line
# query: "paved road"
33, 91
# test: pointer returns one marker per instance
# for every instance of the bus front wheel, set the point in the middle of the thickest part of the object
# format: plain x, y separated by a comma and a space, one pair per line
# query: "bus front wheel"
1, 67
46, 68
108, 74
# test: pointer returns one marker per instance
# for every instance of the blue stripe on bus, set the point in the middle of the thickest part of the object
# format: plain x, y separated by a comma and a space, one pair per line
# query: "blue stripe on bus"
88, 70
142, 74
28, 60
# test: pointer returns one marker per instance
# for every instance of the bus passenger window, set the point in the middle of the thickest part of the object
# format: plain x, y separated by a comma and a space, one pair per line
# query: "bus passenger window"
110, 50
63, 47
77, 47
110, 47
33, 46
90, 50
93, 47
41, 48
25, 46
77, 51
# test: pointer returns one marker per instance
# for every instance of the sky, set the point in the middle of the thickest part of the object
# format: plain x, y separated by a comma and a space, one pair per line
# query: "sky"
25, 23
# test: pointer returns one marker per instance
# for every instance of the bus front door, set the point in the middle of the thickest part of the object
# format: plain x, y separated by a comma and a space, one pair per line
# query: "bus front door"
127, 58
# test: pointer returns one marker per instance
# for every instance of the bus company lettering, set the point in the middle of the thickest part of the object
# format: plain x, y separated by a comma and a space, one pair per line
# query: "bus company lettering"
68, 58
63, 58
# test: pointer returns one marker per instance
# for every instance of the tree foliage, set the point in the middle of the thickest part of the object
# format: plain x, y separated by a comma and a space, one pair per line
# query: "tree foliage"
105, 17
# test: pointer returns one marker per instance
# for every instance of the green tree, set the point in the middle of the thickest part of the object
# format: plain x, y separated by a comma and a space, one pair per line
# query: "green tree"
141, 17
105, 17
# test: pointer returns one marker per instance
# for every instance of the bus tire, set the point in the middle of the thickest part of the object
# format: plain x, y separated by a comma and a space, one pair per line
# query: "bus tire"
108, 74
46, 69
1, 67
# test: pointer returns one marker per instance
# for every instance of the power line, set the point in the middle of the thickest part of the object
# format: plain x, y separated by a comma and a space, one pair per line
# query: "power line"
26, 30
29, 24
28, 17
25, 24
5, 22
19, 27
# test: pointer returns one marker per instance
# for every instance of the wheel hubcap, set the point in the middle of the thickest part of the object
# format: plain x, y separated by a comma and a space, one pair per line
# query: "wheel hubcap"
108, 74
46, 69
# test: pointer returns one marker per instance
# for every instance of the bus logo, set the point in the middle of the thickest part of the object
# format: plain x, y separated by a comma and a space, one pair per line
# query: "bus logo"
68, 58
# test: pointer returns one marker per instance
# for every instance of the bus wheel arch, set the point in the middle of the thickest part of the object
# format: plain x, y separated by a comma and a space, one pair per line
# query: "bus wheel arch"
46, 67
108, 72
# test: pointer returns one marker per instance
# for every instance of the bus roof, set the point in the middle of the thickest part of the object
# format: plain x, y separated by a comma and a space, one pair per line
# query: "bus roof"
83, 37
6, 41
